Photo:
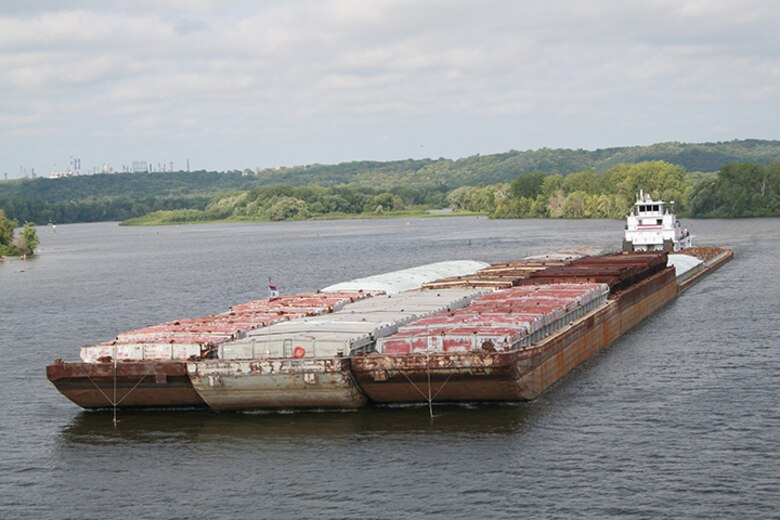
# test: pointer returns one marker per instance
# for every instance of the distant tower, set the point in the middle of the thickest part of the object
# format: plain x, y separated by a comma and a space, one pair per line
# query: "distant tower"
188, 164
140, 167
171, 166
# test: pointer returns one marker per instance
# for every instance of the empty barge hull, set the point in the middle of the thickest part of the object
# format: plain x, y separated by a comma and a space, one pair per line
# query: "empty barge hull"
276, 384
130, 384
512, 375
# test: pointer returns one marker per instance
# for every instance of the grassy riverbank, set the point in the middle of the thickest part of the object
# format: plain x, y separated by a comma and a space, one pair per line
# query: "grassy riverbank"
168, 218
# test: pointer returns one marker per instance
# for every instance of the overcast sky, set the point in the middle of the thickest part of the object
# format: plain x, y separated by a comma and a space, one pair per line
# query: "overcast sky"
233, 85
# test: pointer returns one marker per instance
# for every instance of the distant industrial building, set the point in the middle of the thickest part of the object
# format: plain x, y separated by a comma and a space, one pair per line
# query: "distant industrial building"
140, 166
74, 166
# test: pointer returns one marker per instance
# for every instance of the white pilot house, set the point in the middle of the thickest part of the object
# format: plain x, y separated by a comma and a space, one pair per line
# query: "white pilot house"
652, 226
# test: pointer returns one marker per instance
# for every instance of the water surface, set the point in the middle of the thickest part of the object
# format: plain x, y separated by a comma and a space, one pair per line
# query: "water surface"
679, 418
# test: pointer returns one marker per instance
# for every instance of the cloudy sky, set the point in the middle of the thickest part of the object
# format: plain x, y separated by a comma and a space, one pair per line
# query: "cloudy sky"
233, 85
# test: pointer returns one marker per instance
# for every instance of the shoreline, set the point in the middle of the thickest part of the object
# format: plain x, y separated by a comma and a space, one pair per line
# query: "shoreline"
20, 258
138, 221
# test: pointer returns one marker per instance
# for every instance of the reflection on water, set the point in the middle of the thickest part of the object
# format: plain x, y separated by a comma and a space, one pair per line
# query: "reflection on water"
198, 426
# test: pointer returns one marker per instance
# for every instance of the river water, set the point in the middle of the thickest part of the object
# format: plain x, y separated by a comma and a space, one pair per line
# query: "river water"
679, 418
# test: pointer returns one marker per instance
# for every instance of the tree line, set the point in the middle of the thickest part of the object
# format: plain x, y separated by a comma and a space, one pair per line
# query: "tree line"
287, 202
101, 209
584, 194
737, 190
120, 196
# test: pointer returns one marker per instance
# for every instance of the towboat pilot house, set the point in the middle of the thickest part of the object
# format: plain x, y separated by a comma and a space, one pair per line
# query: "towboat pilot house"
653, 226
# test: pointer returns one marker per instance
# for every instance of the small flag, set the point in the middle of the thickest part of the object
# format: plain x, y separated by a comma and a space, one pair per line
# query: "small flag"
274, 291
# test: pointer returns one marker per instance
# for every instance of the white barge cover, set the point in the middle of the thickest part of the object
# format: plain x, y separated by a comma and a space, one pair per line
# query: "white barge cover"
409, 279
684, 265
353, 328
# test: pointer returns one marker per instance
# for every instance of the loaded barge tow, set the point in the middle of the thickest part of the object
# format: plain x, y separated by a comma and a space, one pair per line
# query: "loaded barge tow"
455, 331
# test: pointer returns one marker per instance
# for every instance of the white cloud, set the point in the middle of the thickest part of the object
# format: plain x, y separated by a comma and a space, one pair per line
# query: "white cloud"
195, 74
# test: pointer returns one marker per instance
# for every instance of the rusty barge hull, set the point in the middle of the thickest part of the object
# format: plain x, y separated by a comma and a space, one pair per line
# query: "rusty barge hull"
714, 258
275, 384
514, 375
130, 384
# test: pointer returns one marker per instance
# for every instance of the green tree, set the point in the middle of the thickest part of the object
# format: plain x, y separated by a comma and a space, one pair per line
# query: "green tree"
457, 198
528, 185
6, 230
551, 185
741, 190
587, 181
555, 205
288, 208
28, 241
661, 179
574, 205
703, 198
382, 202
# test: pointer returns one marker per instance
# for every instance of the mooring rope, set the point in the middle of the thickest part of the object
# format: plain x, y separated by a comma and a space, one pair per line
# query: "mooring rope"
113, 402
134, 387
442, 385
95, 384
414, 385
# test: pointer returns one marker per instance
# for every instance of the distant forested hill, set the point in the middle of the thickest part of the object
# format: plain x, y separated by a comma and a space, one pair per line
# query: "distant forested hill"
504, 167
124, 195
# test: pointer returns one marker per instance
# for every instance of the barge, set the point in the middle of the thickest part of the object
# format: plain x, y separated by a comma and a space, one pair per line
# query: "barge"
456, 331
147, 367
515, 351
155, 366
306, 363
